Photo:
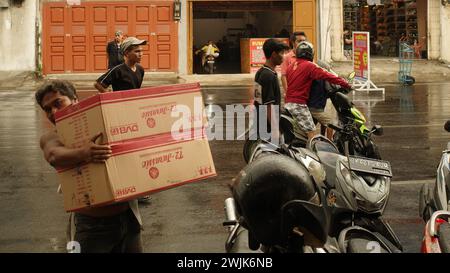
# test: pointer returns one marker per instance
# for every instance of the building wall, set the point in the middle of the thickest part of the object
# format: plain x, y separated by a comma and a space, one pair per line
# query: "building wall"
331, 30
445, 33
183, 32
18, 37
434, 29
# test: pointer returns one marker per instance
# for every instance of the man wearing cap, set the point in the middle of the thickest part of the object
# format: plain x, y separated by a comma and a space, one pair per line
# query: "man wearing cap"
113, 50
128, 75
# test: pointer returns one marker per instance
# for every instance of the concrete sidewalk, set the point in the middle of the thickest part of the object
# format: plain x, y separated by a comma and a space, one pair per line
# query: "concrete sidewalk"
383, 71
386, 70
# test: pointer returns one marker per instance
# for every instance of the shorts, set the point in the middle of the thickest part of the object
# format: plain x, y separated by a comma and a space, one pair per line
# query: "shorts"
300, 112
321, 116
120, 233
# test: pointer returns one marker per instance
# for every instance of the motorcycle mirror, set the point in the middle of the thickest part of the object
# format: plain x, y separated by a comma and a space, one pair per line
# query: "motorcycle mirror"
351, 76
377, 130
447, 126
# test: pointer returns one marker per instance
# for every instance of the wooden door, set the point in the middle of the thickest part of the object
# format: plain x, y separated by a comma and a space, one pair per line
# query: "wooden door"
78, 35
75, 37
99, 36
164, 37
304, 12
54, 43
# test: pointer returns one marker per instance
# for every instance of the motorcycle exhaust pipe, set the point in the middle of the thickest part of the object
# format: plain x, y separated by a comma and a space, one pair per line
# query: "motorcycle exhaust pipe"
230, 212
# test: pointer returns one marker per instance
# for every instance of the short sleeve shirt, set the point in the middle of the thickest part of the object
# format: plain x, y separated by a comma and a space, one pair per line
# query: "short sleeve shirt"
267, 91
267, 88
121, 77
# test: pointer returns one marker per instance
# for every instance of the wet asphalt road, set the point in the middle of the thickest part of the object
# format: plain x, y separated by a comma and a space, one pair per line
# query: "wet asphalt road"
189, 218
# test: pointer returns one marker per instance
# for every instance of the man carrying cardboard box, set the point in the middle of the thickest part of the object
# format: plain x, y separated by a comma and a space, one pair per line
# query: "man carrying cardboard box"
128, 75
113, 228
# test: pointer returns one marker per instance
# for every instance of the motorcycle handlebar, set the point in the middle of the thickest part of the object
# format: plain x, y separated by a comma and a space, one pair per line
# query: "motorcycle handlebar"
334, 127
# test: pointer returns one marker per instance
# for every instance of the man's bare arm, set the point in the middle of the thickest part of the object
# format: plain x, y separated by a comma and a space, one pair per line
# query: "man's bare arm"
60, 156
284, 84
100, 87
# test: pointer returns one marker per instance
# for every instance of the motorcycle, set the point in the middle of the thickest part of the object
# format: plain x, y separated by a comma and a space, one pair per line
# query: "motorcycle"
433, 207
209, 66
352, 193
349, 117
275, 208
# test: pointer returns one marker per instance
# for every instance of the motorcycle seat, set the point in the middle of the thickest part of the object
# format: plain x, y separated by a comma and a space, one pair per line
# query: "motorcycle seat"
328, 155
322, 144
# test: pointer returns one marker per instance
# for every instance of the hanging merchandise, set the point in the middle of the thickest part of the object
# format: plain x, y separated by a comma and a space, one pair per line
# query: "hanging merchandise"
388, 22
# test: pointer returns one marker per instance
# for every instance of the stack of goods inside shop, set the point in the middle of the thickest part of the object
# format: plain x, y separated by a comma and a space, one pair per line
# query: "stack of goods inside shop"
390, 22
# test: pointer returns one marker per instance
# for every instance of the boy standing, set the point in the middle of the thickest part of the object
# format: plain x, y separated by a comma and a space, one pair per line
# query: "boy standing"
267, 87
128, 75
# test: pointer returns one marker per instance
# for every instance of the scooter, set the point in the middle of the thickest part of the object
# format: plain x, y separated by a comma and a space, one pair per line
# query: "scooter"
353, 194
275, 208
357, 190
434, 207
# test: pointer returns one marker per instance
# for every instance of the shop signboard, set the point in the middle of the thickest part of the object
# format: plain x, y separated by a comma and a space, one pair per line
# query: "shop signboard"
361, 63
361, 55
256, 53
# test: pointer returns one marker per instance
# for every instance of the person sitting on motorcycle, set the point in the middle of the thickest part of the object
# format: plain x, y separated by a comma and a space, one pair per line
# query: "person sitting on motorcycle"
300, 76
210, 49
318, 100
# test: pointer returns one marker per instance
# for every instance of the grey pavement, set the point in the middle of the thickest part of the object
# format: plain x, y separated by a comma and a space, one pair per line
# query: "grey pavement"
189, 218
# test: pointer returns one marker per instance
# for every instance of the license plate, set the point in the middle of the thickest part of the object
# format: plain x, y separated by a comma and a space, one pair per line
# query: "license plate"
369, 165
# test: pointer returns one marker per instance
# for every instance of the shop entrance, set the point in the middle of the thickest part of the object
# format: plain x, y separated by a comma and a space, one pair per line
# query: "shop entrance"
226, 22
390, 23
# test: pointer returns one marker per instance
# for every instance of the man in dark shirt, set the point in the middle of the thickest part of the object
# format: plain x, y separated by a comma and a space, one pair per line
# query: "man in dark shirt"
113, 50
267, 87
318, 100
128, 75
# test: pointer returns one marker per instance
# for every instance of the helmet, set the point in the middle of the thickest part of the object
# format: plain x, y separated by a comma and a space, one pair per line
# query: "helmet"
263, 188
305, 50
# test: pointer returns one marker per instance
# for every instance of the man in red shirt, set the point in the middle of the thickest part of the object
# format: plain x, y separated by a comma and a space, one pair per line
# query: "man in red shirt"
300, 76
289, 58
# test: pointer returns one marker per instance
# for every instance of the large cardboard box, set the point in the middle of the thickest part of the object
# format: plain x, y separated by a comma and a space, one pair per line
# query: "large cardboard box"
152, 150
137, 168
132, 114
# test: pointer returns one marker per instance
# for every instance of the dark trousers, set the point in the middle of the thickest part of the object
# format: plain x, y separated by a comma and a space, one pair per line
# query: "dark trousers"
116, 234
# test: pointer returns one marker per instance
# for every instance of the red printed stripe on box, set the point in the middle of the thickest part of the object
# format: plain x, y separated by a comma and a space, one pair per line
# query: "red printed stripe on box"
149, 142
153, 142
128, 95
131, 197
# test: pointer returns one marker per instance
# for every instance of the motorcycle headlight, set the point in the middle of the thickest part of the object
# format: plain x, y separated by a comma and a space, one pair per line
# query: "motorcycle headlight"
370, 199
347, 176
